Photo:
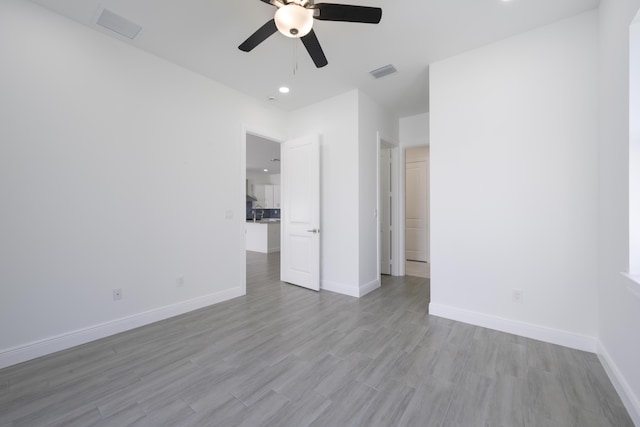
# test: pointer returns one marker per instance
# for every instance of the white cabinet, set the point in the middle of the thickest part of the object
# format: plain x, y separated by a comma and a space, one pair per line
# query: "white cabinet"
268, 195
272, 196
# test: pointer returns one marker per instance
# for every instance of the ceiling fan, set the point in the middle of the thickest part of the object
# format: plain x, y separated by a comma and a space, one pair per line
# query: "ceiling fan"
294, 18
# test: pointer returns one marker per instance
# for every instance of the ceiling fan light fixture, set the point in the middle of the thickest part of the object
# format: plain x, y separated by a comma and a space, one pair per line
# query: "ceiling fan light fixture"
293, 20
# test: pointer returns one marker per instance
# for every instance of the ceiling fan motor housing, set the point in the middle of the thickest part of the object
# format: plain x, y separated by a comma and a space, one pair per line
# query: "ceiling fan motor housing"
293, 20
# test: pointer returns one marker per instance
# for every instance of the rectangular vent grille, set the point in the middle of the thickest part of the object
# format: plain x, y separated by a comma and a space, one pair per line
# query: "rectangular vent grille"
383, 71
118, 24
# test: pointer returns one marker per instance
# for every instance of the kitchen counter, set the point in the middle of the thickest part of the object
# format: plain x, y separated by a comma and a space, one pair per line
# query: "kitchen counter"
263, 235
265, 221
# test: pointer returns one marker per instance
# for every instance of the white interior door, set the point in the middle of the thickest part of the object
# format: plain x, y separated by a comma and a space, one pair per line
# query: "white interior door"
300, 215
416, 204
385, 210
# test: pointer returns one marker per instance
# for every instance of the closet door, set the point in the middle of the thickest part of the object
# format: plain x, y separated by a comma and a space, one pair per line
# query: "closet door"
416, 200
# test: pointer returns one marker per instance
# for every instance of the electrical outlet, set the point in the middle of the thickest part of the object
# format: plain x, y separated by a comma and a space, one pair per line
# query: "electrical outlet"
117, 294
517, 296
180, 281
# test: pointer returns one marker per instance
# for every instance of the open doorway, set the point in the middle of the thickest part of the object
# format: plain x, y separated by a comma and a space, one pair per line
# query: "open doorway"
417, 232
262, 186
294, 228
388, 209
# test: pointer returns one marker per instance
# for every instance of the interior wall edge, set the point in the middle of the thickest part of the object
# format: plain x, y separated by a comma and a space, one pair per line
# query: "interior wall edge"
628, 397
369, 287
340, 288
527, 330
46, 346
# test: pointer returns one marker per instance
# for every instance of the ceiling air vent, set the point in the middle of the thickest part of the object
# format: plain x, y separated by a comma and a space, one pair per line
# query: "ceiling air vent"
383, 71
118, 24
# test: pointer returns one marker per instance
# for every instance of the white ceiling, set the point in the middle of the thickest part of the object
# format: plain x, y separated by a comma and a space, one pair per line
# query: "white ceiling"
203, 36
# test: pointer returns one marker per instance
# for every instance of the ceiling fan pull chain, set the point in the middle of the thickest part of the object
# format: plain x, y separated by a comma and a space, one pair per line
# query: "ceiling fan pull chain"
295, 56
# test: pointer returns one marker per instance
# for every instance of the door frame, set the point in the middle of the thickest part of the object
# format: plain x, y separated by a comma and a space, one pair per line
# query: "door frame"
397, 267
266, 134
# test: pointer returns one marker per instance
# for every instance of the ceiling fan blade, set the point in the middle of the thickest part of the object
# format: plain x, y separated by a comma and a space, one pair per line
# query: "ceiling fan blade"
312, 44
347, 13
259, 36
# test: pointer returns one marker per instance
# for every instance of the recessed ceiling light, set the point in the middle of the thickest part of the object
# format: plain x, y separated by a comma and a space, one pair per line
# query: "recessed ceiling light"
284, 89
266, 170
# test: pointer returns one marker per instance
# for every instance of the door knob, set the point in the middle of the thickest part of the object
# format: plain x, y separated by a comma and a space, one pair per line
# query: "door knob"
314, 231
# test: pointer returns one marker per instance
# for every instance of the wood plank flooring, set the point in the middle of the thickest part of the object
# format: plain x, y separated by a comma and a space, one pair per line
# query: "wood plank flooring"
287, 356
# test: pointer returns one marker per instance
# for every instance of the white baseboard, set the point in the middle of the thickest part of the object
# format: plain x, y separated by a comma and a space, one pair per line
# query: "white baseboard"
628, 397
352, 291
553, 336
340, 288
22, 353
369, 287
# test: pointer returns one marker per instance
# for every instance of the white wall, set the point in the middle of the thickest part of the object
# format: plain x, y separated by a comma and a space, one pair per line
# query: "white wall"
348, 126
634, 148
336, 120
258, 178
113, 172
619, 297
274, 179
514, 184
371, 120
414, 130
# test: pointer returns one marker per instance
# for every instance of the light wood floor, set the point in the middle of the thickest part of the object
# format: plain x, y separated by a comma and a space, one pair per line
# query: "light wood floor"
286, 356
